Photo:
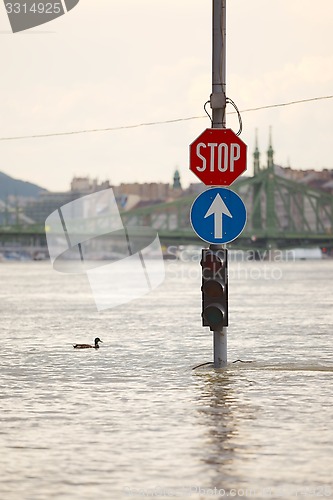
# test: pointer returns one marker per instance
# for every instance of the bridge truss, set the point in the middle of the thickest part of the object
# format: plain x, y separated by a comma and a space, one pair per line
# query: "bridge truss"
282, 213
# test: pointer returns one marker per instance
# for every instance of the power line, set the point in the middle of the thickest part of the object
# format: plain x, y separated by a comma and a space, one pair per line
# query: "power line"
164, 122
290, 103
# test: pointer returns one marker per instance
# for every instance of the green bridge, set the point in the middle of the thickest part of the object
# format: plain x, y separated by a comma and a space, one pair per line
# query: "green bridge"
281, 213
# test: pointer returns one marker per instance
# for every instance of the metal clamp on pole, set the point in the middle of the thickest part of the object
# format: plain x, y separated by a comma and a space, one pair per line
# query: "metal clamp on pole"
218, 101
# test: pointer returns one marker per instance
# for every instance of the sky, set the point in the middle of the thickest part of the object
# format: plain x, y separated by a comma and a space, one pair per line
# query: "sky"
118, 63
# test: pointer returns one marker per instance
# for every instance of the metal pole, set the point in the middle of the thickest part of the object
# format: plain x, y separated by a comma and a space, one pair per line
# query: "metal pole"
220, 348
218, 104
219, 64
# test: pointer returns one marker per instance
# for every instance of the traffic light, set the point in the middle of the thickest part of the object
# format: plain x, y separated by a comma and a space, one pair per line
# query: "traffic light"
214, 288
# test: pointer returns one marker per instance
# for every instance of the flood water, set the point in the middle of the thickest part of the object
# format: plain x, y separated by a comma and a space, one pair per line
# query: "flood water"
134, 420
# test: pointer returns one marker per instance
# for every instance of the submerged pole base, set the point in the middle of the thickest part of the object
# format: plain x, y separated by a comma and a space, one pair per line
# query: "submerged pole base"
220, 349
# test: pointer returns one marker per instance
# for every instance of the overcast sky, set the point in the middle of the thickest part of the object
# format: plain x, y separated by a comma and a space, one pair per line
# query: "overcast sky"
113, 63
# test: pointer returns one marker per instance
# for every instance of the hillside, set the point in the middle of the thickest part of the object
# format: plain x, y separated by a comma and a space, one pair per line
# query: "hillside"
10, 186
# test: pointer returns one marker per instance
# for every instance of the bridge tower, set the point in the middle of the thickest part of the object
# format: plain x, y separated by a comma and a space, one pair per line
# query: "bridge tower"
257, 215
256, 156
270, 190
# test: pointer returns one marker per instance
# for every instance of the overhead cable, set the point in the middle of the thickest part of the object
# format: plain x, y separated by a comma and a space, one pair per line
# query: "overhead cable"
163, 122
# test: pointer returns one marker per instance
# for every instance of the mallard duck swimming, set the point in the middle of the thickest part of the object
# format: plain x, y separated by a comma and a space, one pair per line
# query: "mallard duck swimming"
88, 346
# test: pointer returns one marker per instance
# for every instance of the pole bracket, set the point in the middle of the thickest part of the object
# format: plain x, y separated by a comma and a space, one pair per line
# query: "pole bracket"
218, 100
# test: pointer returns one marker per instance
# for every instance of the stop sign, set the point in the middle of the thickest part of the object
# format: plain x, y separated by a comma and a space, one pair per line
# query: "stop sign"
218, 156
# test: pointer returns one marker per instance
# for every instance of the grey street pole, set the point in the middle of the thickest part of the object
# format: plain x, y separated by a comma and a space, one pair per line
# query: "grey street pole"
219, 64
218, 104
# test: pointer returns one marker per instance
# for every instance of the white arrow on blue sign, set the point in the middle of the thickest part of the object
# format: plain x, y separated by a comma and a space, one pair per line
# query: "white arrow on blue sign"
218, 215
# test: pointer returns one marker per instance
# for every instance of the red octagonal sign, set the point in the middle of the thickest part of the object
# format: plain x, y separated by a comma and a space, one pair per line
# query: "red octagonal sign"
218, 156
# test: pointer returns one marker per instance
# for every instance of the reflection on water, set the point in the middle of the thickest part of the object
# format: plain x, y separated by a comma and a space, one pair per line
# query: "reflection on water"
267, 429
134, 416
220, 410
218, 416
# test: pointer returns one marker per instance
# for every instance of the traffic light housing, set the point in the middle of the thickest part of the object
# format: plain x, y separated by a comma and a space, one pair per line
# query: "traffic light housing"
214, 288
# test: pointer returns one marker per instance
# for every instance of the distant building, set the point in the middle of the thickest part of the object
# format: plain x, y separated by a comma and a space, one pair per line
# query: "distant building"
317, 179
151, 192
87, 185
48, 202
128, 195
196, 188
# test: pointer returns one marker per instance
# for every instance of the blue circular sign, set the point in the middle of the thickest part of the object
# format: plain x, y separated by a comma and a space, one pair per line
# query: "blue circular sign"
218, 215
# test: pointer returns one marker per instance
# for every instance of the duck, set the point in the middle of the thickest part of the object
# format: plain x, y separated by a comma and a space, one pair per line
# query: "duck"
88, 346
